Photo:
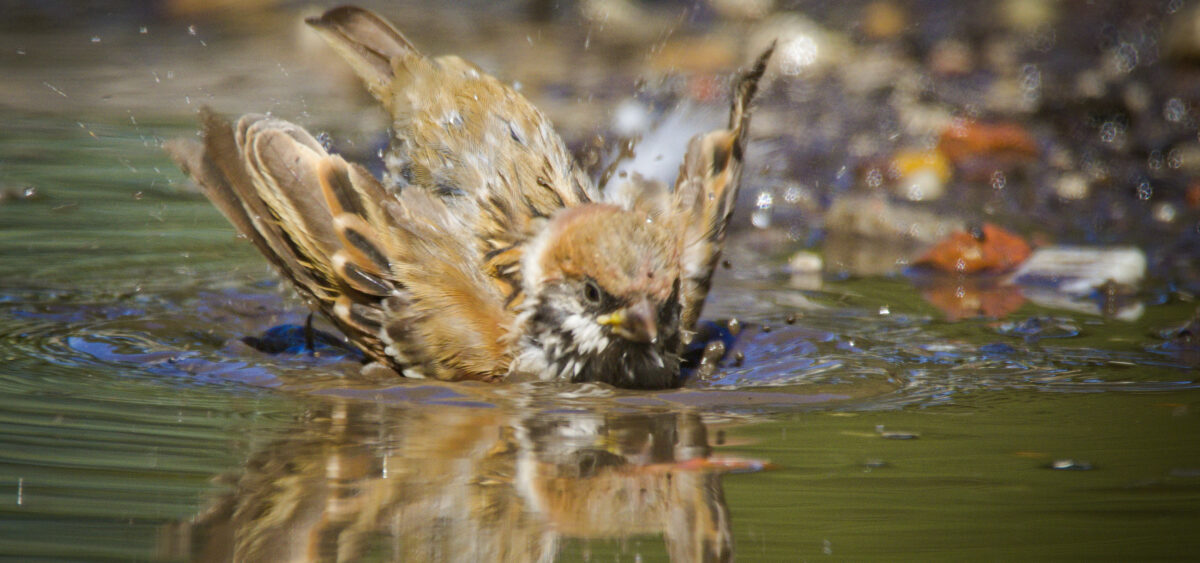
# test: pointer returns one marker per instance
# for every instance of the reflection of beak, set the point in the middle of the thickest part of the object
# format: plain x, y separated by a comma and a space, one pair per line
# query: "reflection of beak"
636, 322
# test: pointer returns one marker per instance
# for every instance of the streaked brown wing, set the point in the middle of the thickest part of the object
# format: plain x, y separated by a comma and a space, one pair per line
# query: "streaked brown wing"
389, 271
464, 137
706, 191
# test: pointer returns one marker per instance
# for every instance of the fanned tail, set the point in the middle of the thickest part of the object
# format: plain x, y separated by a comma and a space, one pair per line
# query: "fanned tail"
369, 43
707, 189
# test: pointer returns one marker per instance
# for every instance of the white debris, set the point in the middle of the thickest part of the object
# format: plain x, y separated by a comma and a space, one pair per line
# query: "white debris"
1079, 270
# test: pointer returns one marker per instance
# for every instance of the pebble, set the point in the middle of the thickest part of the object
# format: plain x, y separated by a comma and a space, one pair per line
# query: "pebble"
1027, 15
1165, 212
802, 47
1090, 84
1073, 186
921, 175
877, 218
1071, 465
896, 434
27, 193
710, 54
742, 9
805, 262
1077, 270
951, 57
884, 20
1186, 157
1007, 96
1183, 35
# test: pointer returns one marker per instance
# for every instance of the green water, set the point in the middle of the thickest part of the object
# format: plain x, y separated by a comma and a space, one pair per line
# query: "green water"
127, 415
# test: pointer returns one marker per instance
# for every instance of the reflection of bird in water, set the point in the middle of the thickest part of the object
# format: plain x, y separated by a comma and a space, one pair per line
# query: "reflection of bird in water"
442, 483
486, 252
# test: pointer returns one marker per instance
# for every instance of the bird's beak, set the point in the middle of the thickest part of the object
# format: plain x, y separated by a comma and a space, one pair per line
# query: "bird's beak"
637, 322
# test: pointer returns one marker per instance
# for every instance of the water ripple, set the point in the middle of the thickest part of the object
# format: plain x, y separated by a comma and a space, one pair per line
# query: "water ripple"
194, 338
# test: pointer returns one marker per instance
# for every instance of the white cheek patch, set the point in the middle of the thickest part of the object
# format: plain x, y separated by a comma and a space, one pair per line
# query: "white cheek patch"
589, 336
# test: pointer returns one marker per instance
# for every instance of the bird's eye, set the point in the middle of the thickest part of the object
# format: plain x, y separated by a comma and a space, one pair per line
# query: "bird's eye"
591, 292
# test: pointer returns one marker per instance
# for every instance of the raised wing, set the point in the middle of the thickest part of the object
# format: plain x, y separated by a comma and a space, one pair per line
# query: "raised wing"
391, 271
463, 136
706, 190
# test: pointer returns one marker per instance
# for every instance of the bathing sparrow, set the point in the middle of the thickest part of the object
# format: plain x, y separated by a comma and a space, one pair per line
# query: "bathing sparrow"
486, 252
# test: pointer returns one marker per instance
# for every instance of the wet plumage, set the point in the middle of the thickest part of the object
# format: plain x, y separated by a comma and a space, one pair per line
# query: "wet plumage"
485, 251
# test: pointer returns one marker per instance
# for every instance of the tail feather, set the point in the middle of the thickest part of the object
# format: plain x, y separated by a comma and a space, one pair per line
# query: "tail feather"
369, 43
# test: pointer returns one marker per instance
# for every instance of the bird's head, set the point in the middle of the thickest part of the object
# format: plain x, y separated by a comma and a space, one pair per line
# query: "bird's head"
602, 299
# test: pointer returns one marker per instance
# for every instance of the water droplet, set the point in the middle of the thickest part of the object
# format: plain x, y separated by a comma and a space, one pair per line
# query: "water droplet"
325, 141
1145, 191
191, 30
1174, 110
999, 180
874, 178
1155, 160
1031, 82
1112, 132
797, 54
142, 30
884, 311
761, 217
1124, 57
95, 39
765, 200
1174, 159
792, 194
